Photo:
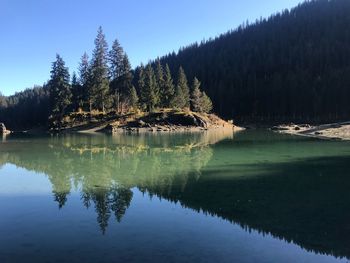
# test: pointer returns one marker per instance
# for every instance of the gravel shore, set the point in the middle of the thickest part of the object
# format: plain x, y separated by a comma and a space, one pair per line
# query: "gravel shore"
333, 131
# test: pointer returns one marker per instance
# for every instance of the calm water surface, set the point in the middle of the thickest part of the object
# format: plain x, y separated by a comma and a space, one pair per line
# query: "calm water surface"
256, 196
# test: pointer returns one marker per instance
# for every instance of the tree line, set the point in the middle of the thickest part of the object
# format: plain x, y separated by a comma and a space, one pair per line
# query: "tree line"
106, 83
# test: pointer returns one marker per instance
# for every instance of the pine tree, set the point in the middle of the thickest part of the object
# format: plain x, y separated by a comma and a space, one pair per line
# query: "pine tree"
121, 76
160, 83
196, 96
178, 100
133, 98
124, 82
206, 103
182, 82
77, 94
126, 77
84, 78
84, 69
141, 84
60, 89
182, 93
99, 92
116, 57
149, 96
169, 89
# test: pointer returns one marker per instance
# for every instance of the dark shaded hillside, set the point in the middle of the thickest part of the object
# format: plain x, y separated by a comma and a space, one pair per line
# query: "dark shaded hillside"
26, 109
293, 66
310, 213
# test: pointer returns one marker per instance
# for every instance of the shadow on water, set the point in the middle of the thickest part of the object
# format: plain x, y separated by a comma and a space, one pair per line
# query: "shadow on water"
304, 202
294, 189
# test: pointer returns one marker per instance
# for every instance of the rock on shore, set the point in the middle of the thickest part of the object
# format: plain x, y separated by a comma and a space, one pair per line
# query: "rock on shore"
3, 129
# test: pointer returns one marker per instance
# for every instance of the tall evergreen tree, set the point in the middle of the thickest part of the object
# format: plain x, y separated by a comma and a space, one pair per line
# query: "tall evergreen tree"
99, 88
84, 69
200, 102
196, 96
60, 89
121, 76
178, 100
141, 85
133, 98
85, 79
168, 89
206, 103
77, 93
149, 94
125, 81
116, 57
160, 83
182, 92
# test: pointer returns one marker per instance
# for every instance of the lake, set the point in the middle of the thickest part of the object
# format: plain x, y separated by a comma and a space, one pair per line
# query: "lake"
255, 196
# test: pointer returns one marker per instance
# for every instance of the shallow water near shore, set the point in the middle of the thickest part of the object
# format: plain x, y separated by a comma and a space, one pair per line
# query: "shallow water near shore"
254, 196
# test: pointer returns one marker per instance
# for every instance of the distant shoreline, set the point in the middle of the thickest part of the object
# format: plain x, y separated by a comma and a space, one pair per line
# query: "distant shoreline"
163, 130
331, 131
157, 122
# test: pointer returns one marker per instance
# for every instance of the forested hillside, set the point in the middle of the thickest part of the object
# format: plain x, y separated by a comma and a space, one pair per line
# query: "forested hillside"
294, 66
26, 109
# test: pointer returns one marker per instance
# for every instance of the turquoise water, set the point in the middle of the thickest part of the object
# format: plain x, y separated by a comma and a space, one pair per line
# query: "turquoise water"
255, 196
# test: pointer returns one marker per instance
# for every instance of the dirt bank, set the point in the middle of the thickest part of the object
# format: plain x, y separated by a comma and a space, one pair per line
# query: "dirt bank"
161, 121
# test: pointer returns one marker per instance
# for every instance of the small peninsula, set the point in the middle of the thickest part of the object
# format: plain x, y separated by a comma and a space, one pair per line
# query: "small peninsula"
107, 95
164, 120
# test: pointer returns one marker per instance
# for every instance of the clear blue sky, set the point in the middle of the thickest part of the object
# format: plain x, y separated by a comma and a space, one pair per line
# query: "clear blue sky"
33, 31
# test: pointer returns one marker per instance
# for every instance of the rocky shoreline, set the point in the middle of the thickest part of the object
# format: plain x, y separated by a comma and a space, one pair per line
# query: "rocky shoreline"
172, 122
332, 131
158, 122
172, 129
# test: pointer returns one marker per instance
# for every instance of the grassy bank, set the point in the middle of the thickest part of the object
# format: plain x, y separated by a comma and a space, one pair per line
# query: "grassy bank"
164, 120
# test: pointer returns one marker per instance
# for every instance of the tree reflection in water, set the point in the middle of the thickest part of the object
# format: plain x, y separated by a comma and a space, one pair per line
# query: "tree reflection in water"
106, 168
298, 196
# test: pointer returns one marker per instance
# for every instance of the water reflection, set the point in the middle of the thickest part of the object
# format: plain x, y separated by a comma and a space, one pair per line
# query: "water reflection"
104, 168
303, 200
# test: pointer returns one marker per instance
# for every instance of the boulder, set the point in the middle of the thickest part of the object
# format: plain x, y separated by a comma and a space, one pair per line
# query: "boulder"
141, 124
199, 121
3, 129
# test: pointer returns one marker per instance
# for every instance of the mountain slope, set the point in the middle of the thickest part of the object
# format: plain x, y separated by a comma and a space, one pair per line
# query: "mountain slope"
293, 66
